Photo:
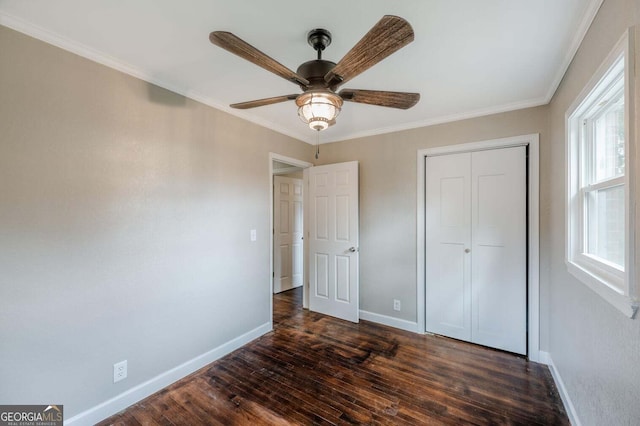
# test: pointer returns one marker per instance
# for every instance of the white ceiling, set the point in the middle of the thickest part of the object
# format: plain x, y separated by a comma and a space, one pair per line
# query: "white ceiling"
469, 57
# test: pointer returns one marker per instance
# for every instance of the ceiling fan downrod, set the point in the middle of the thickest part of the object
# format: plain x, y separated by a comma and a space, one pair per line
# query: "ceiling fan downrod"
319, 39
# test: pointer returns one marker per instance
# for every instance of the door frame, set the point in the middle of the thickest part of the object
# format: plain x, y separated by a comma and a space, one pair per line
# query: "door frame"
294, 162
532, 142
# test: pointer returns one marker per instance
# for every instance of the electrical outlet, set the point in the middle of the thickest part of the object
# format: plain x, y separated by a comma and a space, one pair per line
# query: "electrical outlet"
396, 305
119, 371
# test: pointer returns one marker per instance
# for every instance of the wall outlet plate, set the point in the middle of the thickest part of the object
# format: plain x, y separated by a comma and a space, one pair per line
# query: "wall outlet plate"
396, 305
119, 371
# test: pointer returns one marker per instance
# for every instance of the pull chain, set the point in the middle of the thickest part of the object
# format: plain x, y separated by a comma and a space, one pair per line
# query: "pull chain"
317, 144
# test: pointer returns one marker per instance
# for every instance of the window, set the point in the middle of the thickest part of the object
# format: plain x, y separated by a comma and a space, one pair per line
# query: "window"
599, 216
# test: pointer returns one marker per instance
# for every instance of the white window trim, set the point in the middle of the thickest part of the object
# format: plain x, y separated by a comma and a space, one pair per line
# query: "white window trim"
616, 287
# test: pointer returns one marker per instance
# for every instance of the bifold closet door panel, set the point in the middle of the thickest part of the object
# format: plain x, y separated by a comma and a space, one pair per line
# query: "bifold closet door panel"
475, 265
448, 226
498, 249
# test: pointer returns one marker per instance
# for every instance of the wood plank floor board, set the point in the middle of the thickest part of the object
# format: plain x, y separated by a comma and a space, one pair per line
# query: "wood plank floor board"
226, 380
317, 391
464, 389
329, 369
317, 370
270, 395
304, 388
367, 382
197, 402
331, 391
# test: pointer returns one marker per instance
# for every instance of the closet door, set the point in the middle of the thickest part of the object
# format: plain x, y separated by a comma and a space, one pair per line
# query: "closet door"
498, 252
475, 266
448, 231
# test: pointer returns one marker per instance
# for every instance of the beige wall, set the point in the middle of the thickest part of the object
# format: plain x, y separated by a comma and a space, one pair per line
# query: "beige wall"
388, 197
594, 346
125, 213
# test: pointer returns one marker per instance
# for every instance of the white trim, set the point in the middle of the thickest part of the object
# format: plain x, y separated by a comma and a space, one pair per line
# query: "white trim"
143, 390
420, 244
305, 247
562, 390
590, 13
295, 163
618, 289
587, 20
111, 62
85, 51
544, 358
478, 146
533, 260
389, 321
288, 160
481, 112
621, 302
285, 170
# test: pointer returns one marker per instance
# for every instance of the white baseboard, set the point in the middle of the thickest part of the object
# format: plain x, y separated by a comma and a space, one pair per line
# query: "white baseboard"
390, 321
545, 358
143, 390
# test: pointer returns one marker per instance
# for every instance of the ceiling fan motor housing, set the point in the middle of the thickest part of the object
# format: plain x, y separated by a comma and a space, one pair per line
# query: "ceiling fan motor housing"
314, 71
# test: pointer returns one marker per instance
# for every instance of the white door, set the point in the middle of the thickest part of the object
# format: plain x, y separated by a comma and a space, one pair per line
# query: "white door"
288, 231
447, 263
499, 249
333, 240
476, 247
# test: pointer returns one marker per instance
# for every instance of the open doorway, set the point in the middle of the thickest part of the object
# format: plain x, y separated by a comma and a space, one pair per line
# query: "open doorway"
288, 222
287, 248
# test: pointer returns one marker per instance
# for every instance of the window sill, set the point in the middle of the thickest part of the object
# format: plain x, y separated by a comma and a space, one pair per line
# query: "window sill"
624, 304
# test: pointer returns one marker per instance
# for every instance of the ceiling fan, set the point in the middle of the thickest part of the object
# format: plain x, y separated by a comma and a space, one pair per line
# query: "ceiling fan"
320, 104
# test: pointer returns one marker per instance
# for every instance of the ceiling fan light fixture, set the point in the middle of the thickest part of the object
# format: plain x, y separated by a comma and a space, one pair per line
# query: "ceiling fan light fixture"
319, 109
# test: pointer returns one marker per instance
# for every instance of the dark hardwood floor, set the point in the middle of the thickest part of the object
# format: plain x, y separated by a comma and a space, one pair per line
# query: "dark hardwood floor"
314, 369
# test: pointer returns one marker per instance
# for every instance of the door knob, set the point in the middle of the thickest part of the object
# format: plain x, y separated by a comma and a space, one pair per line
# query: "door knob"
467, 250
352, 249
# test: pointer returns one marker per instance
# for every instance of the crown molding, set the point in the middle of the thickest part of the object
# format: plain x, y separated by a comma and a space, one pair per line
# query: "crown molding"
99, 57
514, 106
587, 19
94, 55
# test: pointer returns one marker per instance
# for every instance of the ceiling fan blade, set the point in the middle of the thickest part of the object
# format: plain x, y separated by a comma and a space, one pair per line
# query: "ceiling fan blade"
263, 102
237, 46
401, 100
387, 36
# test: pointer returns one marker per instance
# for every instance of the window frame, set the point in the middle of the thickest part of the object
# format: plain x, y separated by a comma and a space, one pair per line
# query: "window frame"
614, 284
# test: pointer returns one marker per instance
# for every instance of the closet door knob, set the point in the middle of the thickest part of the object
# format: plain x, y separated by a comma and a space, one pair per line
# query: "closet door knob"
467, 250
